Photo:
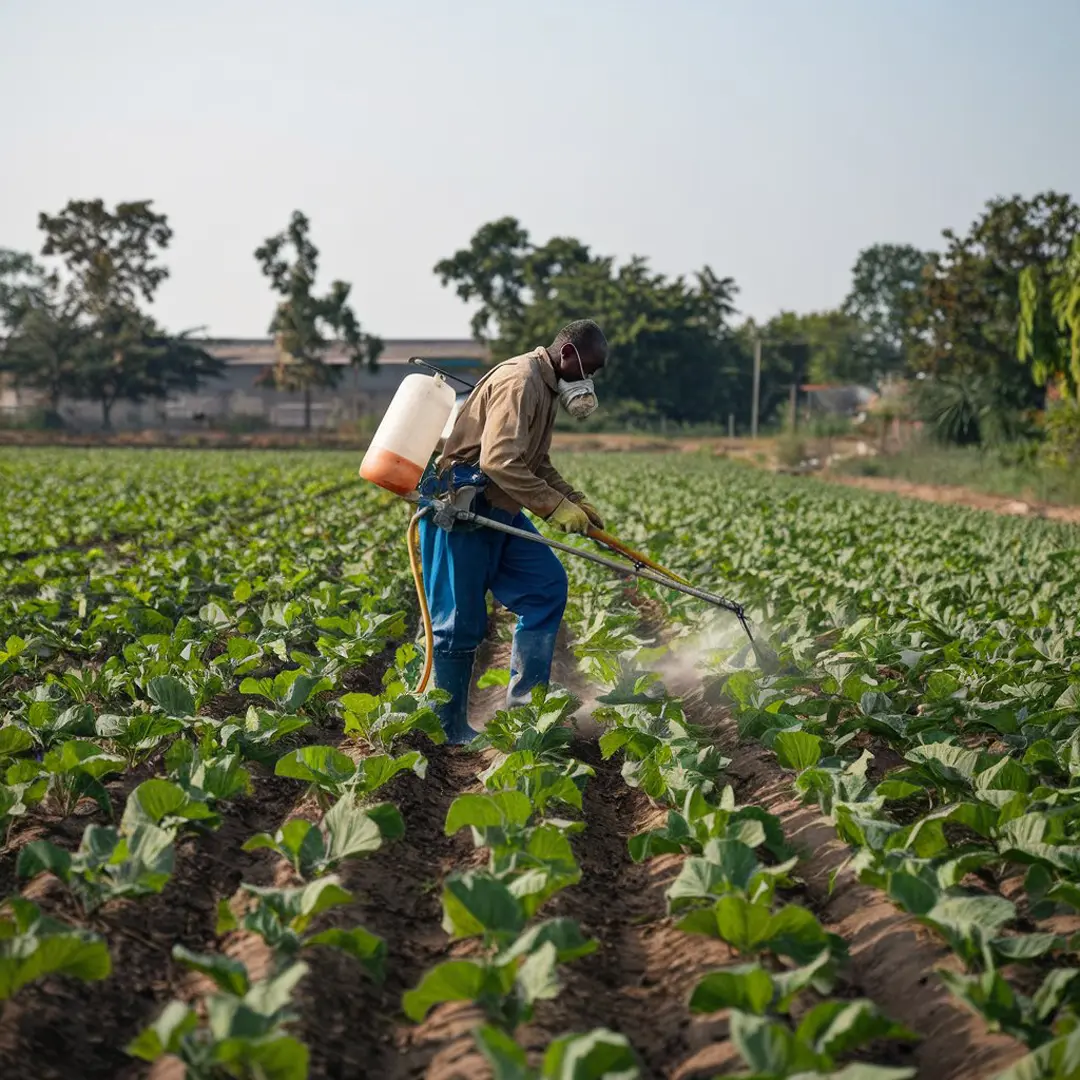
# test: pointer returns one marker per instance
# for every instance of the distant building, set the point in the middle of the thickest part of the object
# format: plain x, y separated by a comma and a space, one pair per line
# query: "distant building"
836, 400
238, 400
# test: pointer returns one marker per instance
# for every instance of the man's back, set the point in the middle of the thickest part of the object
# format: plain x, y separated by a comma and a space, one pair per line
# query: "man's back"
505, 426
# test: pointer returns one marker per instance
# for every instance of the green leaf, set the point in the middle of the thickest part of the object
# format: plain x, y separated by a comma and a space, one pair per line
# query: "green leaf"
454, 980
33, 947
165, 1034
40, 857
838, 1028
507, 1060
171, 696
322, 766
493, 677
477, 904
537, 978
769, 1048
733, 919
14, 740
736, 861
353, 831
797, 749
358, 943
480, 811
968, 921
377, 770
747, 987
598, 1055
565, 934
280, 1058
156, 800
228, 974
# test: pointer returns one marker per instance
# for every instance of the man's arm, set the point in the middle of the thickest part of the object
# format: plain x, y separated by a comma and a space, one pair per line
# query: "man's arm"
550, 475
502, 448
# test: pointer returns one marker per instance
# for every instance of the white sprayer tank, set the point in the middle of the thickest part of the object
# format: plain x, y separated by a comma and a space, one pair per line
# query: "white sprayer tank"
408, 433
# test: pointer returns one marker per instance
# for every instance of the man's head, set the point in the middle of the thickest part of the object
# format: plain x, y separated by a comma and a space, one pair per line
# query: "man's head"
580, 339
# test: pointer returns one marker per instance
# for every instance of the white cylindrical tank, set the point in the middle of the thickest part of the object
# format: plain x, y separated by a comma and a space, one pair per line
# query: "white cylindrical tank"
408, 433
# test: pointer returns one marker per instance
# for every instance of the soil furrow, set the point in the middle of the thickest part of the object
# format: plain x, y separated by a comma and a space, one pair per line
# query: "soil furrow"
353, 1026
893, 957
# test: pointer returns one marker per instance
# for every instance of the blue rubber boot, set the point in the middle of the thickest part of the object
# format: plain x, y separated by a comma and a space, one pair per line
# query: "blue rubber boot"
453, 673
530, 664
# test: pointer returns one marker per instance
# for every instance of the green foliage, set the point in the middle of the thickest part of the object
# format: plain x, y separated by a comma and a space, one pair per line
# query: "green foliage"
84, 335
244, 1032
969, 312
108, 864
1049, 333
967, 409
346, 832
672, 346
33, 946
886, 281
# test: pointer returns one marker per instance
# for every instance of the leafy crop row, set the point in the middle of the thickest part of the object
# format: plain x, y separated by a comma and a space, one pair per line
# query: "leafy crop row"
926, 695
518, 820
243, 1024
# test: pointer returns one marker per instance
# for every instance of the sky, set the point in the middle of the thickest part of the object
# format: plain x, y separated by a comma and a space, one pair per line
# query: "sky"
769, 139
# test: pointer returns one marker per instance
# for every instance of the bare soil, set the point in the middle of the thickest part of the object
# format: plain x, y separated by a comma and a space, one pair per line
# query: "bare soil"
957, 496
638, 982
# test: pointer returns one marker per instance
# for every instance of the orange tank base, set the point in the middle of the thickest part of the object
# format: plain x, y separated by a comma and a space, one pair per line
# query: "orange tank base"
390, 471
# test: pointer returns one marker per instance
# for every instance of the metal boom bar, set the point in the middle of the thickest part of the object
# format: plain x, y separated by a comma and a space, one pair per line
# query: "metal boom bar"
611, 564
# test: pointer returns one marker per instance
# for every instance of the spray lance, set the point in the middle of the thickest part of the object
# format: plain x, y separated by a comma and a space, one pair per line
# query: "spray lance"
398, 459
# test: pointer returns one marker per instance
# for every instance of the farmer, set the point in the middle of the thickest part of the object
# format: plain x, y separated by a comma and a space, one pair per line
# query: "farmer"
500, 442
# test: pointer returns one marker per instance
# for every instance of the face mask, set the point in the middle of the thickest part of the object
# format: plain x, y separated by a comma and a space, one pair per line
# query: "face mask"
578, 397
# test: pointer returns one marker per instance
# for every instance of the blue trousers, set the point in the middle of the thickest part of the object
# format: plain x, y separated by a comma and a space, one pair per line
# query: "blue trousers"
460, 568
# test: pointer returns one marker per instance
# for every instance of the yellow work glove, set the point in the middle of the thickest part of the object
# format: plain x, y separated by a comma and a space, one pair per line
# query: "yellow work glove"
569, 517
591, 512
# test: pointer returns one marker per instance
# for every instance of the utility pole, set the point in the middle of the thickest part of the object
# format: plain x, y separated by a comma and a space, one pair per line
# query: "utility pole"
757, 386
794, 405
731, 425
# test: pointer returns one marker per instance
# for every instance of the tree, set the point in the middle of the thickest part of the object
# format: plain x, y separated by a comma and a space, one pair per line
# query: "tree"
110, 255
113, 349
885, 284
672, 347
129, 357
1049, 332
21, 282
967, 316
302, 320
45, 347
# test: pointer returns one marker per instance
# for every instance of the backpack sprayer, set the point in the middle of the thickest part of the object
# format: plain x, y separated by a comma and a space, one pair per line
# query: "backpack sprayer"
399, 459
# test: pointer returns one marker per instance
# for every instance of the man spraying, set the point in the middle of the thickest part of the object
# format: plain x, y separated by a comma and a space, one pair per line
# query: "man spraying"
503, 432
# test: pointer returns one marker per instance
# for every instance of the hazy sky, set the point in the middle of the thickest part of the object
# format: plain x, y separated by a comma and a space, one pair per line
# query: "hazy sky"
771, 139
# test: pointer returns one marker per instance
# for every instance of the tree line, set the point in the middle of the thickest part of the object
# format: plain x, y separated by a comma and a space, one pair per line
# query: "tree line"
79, 328
987, 325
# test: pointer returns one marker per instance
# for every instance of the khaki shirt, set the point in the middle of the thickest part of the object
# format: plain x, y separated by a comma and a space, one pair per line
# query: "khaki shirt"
505, 426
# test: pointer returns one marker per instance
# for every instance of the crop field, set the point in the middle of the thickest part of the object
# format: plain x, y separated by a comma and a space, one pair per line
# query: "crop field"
234, 846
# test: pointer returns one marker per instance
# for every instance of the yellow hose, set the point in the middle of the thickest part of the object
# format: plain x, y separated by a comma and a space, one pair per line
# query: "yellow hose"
615, 544
411, 535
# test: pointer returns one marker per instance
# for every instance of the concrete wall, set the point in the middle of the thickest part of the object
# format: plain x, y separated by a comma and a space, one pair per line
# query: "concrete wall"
237, 400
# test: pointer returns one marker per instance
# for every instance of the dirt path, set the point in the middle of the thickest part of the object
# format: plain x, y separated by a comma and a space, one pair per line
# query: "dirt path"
956, 496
